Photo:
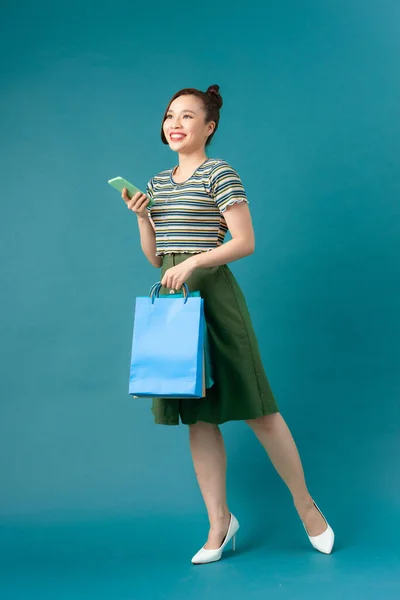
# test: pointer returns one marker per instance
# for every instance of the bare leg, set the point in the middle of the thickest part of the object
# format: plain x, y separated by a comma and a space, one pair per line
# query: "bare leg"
209, 460
274, 435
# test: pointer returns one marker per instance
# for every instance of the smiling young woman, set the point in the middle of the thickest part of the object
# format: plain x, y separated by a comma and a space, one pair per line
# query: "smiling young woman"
195, 204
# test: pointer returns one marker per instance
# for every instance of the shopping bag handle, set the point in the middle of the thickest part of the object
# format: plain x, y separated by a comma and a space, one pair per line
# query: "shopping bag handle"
156, 287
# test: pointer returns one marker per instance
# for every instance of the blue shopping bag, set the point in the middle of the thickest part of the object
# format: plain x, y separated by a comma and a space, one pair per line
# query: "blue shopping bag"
167, 357
209, 380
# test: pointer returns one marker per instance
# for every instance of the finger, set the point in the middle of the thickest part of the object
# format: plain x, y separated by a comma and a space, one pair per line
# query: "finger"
136, 200
138, 205
132, 201
143, 200
125, 195
164, 280
142, 203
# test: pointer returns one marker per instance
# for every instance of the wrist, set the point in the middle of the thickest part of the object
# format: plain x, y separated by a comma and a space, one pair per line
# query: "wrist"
196, 260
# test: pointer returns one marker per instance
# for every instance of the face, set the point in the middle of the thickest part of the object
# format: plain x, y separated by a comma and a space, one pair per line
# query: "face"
185, 127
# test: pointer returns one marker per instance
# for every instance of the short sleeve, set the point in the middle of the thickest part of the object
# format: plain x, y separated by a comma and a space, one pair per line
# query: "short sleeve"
150, 193
226, 187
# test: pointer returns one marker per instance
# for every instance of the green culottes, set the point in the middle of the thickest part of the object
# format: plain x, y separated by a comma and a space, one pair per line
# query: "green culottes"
241, 389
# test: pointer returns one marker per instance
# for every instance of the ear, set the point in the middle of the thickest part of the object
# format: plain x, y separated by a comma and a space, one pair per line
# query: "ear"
210, 128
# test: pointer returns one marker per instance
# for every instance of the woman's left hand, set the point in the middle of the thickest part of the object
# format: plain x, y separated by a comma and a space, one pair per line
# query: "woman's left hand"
175, 277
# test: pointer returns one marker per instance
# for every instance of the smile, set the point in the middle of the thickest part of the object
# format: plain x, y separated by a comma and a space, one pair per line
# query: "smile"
176, 137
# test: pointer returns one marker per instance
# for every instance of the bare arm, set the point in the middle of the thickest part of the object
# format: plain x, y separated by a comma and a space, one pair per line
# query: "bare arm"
138, 204
148, 240
242, 244
238, 220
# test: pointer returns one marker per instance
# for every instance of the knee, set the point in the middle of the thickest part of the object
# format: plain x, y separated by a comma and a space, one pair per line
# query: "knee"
200, 427
267, 423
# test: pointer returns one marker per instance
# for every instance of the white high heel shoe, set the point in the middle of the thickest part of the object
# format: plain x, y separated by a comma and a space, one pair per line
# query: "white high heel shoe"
206, 556
323, 542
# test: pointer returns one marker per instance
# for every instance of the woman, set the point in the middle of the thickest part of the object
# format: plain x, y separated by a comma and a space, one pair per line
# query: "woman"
195, 204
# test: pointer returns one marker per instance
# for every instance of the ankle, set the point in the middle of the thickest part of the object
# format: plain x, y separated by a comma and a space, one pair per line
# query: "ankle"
219, 518
303, 502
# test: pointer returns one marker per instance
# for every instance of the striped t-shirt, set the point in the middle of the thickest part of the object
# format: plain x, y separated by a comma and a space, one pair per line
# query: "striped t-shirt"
188, 217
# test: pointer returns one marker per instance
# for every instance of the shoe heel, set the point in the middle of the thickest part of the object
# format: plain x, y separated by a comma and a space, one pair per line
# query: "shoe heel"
206, 556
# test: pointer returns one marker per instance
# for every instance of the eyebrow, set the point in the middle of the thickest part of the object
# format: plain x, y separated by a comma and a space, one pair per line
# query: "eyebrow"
185, 110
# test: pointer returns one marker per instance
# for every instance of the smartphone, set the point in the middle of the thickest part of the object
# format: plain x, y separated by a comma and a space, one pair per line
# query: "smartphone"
119, 183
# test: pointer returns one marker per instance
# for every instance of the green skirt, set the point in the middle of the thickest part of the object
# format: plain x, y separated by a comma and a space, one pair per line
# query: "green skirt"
241, 390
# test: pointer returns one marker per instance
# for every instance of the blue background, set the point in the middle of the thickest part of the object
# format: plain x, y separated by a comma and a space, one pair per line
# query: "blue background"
96, 501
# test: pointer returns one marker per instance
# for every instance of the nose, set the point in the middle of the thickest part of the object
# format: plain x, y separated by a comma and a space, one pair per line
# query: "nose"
175, 123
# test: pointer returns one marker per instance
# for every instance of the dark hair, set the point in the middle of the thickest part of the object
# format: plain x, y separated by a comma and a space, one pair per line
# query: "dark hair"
212, 103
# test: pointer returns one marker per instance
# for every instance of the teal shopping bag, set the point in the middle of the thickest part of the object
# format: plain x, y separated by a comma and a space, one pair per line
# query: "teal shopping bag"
168, 346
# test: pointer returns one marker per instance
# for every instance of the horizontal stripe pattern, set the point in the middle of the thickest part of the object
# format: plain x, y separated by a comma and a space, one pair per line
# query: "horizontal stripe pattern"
189, 217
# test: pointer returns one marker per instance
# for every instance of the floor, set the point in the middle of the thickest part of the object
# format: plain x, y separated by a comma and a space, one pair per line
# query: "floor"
149, 558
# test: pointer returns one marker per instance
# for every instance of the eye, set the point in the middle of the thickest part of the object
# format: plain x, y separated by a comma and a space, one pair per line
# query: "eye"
188, 116
168, 117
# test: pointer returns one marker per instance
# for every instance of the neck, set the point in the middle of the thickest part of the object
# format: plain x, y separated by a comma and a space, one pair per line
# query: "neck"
190, 162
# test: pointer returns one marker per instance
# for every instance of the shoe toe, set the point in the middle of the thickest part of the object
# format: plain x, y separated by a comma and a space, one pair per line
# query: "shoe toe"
324, 542
205, 556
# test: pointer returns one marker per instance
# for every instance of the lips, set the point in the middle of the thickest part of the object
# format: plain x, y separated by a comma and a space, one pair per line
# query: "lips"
177, 137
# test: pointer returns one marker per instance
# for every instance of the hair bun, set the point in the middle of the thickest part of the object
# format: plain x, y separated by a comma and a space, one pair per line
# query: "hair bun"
213, 90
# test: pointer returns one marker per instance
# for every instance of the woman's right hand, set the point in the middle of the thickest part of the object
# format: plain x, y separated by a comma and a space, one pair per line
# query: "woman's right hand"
137, 204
